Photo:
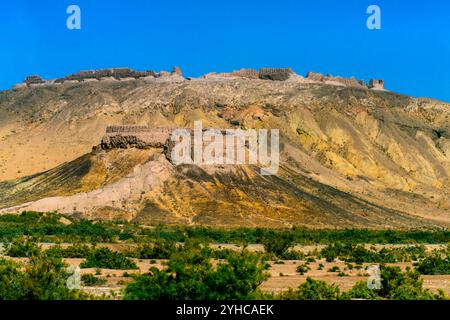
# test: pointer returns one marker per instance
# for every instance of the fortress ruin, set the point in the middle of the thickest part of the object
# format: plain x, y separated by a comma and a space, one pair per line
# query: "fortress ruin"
273, 74
376, 84
132, 136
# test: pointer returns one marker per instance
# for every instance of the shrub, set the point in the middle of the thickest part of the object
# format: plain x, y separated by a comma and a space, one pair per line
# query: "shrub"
434, 264
395, 285
191, 276
107, 259
277, 243
303, 268
312, 290
90, 280
74, 251
334, 269
357, 253
22, 248
43, 278
160, 249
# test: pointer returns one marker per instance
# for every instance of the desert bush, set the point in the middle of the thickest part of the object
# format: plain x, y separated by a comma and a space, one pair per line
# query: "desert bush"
43, 278
334, 269
434, 264
395, 285
190, 275
107, 259
73, 251
278, 244
22, 248
90, 280
159, 249
312, 290
358, 253
303, 268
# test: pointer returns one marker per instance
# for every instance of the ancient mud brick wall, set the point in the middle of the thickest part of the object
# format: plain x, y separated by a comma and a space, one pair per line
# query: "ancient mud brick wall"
33, 80
376, 84
246, 73
134, 137
117, 73
279, 74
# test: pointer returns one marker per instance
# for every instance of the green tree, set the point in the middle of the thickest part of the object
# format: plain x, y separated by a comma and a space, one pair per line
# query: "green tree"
395, 285
278, 243
191, 275
42, 278
313, 290
105, 258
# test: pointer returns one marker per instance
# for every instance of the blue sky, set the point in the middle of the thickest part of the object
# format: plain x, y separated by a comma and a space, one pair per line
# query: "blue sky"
411, 51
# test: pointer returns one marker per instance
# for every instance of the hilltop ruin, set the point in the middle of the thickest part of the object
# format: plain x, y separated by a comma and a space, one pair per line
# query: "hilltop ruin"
112, 74
270, 74
132, 136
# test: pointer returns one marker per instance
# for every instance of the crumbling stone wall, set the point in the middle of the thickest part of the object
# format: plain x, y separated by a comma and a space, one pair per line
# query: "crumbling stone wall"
348, 82
35, 79
277, 74
116, 73
141, 137
376, 84
246, 73
315, 76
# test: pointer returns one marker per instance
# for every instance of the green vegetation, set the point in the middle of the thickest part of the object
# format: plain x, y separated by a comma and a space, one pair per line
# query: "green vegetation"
90, 280
303, 268
436, 263
73, 251
192, 270
43, 278
50, 227
395, 285
22, 248
159, 249
312, 290
358, 253
107, 259
191, 275
334, 269
279, 245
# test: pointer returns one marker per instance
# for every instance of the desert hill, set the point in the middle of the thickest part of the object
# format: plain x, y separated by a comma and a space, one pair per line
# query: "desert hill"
350, 156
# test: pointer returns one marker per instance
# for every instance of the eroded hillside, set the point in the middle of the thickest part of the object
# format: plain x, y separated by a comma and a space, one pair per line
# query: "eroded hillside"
349, 156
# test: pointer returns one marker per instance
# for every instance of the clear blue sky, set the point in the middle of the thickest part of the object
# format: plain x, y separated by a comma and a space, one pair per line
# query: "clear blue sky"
411, 51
